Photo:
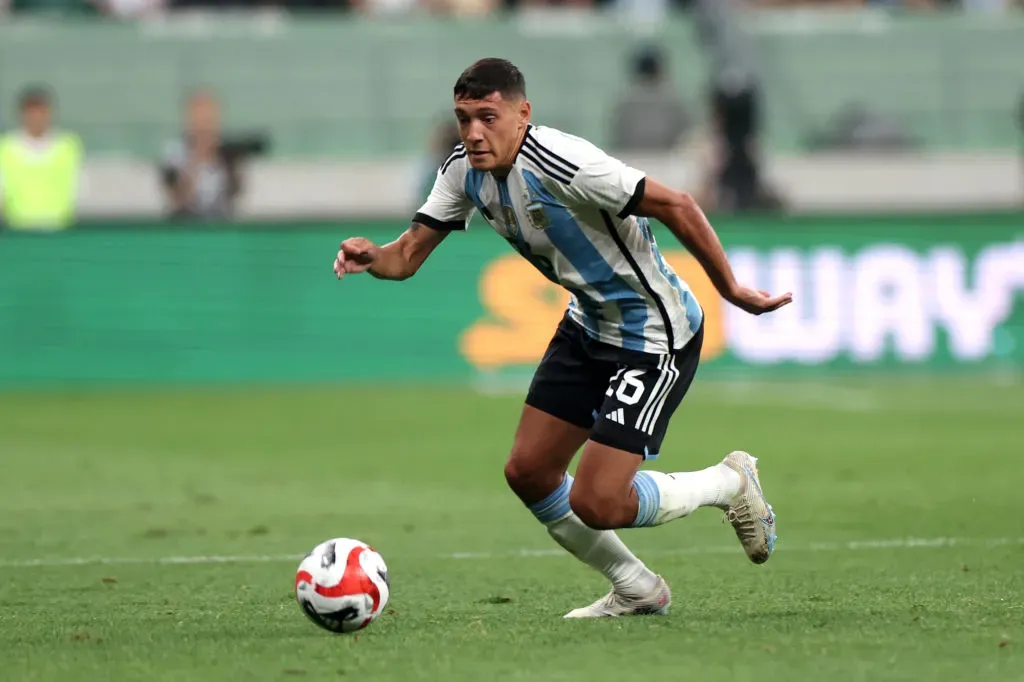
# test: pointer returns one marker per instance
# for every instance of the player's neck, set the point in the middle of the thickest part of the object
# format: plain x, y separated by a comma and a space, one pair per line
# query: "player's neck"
502, 170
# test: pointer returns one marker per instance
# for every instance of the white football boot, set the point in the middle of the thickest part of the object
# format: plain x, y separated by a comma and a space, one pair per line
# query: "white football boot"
613, 604
749, 512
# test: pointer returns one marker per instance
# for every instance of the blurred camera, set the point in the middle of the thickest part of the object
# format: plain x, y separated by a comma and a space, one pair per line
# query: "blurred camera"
244, 146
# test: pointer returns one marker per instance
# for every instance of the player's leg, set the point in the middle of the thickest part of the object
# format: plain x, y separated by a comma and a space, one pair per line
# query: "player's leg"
555, 423
610, 492
542, 449
733, 485
536, 472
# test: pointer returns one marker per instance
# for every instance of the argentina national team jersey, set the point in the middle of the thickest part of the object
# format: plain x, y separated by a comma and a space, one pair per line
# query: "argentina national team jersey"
566, 207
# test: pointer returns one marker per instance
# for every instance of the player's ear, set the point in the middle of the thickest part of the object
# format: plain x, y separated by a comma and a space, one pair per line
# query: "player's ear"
524, 110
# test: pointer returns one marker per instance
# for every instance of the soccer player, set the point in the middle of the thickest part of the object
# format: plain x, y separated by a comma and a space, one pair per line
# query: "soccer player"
626, 350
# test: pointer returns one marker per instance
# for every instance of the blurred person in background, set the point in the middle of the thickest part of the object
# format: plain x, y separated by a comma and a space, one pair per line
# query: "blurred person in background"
651, 116
536, 4
382, 8
443, 140
274, 6
735, 181
201, 171
130, 9
40, 168
460, 8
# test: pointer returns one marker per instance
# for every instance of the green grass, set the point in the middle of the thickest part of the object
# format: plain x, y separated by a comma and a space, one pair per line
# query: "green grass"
417, 472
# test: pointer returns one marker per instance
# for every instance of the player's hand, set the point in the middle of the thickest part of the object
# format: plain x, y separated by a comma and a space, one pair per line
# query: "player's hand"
355, 256
757, 302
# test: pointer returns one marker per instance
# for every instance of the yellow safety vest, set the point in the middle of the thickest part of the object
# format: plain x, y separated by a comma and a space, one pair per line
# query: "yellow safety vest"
39, 188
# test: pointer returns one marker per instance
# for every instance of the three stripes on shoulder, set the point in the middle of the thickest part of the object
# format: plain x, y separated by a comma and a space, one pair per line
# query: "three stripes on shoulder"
550, 163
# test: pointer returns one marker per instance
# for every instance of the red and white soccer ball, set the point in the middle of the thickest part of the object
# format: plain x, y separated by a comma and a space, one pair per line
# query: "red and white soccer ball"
342, 585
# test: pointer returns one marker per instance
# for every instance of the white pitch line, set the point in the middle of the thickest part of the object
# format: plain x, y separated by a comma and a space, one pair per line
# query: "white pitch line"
852, 546
149, 561
805, 395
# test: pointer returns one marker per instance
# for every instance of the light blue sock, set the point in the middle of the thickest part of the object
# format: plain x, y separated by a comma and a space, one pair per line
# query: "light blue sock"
649, 495
602, 550
664, 497
556, 505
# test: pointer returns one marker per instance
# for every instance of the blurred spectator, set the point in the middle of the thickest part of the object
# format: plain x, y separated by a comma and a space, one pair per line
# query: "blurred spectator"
855, 126
443, 139
254, 5
385, 7
555, 3
201, 171
735, 181
461, 8
40, 168
130, 9
650, 116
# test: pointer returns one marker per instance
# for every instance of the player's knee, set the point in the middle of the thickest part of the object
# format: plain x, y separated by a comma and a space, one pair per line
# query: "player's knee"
529, 482
598, 510
515, 473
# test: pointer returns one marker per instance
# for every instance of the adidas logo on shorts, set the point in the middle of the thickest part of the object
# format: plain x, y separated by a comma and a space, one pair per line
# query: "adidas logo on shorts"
618, 416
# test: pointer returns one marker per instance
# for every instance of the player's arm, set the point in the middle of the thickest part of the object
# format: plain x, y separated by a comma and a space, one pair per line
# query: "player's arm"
445, 210
621, 190
684, 218
681, 214
397, 260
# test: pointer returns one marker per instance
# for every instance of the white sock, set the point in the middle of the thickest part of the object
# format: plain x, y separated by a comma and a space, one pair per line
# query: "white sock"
602, 550
664, 497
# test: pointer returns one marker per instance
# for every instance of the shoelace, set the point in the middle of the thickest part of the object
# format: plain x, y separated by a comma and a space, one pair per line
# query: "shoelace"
740, 518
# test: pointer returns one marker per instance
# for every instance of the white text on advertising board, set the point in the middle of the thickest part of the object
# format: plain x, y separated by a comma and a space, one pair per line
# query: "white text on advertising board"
885, 300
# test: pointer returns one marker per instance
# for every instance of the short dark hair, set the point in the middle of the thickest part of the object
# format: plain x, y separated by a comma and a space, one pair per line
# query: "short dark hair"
649, 62
34, 95
488, 76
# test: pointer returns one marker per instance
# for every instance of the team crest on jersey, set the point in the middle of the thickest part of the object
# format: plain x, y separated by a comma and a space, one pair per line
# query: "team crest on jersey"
538, 216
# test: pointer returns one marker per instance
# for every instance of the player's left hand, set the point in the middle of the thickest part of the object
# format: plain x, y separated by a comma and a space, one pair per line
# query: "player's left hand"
354, 256
757, 302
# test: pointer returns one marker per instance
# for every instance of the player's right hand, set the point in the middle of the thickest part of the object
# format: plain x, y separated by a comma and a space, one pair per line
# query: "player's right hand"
757, 302
355, 256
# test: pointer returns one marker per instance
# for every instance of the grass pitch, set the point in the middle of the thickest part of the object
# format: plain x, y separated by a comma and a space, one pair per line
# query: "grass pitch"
153, 535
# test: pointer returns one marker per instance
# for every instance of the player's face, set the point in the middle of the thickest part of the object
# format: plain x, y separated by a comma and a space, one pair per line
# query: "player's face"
36, 118
203, 116
491, 128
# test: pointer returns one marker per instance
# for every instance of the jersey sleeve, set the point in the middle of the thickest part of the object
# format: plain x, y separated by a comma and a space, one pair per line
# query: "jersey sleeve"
447, 207
607, 183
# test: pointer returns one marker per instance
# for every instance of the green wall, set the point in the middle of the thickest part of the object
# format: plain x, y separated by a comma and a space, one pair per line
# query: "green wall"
154, 303
953, 81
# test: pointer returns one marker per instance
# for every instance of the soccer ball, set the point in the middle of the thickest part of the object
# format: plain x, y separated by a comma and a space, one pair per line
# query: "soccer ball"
342, 585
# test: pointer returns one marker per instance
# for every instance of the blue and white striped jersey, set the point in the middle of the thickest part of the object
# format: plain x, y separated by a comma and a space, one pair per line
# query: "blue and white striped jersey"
566, 207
